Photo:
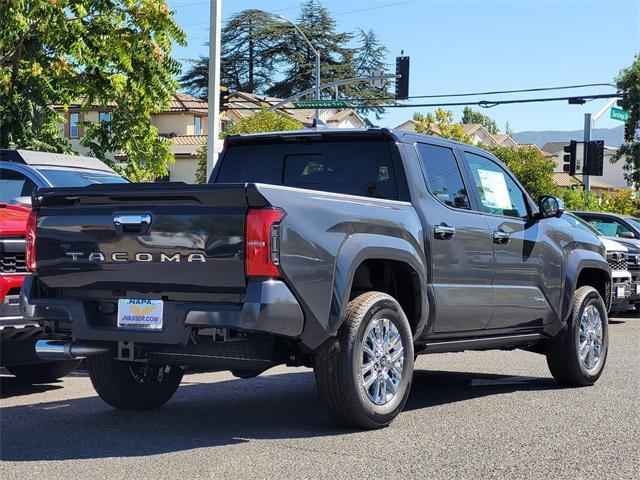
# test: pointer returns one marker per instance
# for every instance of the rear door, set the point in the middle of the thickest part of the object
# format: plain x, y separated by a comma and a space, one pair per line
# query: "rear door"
460, 244
527, 267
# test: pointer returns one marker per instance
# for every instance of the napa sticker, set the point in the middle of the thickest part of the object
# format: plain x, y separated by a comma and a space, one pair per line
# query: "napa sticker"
140, 313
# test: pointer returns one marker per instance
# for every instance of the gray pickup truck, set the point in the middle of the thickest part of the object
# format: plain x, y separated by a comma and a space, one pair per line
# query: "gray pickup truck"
348, 251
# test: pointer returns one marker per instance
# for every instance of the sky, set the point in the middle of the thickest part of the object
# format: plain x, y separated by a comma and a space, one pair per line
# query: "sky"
461, 46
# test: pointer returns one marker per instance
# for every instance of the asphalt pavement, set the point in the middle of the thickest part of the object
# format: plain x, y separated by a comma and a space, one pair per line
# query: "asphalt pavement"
470, 415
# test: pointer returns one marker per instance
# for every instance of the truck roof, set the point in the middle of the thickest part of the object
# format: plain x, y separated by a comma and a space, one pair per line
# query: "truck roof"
39, 159
394, 134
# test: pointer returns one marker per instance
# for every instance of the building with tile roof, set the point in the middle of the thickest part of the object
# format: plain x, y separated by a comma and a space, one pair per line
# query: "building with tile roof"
184, 123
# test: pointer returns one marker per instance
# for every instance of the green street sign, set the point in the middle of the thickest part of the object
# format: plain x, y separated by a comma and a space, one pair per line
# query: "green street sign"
619, 114
322, 104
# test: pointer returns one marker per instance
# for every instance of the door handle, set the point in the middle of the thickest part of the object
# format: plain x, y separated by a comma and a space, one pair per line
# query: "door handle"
501, 238
132, 223
119, 220
443, 231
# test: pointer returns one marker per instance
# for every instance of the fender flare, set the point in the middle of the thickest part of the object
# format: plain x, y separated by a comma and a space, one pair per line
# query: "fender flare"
361, 247
577, 261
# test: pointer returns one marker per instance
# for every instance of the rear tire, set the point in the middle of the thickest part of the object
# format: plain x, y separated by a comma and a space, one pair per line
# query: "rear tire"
577, 355
43, 372
133, 386
364, 375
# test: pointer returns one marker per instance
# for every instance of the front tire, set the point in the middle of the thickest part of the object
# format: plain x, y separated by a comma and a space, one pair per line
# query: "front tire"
43, 372
133, 386
364, 375
576, 356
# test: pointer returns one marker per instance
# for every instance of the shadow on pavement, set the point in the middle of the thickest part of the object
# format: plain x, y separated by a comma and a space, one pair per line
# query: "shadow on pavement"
212, 414
10, 386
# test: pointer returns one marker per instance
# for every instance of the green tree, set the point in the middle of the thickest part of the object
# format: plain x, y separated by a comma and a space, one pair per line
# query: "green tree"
262, 121
336, 59
110, 54
628, 82
440, 123
469, 115
620, 201
248, 56
531, 168
369, 56
507, 129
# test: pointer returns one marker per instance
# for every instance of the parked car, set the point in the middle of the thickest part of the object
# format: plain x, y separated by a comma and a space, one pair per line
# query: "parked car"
625, 230
349, 251
624, 288
21, 173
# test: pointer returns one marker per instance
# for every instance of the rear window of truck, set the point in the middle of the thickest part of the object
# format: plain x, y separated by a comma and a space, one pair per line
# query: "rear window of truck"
363, 167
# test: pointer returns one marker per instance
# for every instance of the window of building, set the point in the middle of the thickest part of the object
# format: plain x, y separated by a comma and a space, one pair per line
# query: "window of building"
105, 119
74, 130
197, 125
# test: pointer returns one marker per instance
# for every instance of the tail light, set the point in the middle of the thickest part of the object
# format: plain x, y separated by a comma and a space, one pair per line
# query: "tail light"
262, 242
31, 241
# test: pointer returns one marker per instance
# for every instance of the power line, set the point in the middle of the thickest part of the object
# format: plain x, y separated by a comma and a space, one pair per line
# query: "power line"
337, 14
495, 92
481, 103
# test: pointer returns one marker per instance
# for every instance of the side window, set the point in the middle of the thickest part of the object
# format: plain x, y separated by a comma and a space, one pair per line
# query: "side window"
609, 227
14, 185
499, 194
443, 175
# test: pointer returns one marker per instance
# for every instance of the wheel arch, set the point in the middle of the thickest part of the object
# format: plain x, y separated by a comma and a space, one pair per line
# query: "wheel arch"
362, 263
590, 269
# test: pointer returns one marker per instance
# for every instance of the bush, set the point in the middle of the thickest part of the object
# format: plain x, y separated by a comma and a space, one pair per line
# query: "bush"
620, 201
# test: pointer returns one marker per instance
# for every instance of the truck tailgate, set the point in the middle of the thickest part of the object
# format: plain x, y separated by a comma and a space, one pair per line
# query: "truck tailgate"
144, 237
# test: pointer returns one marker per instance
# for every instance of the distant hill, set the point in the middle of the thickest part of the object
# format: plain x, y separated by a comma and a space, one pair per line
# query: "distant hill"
613, 137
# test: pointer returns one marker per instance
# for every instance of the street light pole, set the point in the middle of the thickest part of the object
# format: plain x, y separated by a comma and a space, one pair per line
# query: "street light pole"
213, 120
316, 53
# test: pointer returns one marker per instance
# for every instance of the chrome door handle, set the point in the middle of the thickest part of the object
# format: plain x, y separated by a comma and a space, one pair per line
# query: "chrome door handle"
443, 231
119, 220
501, 238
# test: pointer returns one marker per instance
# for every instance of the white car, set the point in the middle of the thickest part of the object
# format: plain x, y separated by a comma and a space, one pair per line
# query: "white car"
617, 256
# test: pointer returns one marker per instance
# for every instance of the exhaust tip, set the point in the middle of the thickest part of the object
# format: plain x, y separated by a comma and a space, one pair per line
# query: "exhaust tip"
62, 350
52, 350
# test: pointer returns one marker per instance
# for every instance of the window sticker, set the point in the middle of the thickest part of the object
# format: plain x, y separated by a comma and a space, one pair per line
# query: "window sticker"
494, 189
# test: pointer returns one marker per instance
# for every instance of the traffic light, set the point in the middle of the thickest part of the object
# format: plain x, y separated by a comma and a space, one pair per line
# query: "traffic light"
594, 163
570, 158
224, 98
402, 78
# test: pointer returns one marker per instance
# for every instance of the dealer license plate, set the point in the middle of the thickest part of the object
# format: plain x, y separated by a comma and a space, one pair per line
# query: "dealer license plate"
140, 313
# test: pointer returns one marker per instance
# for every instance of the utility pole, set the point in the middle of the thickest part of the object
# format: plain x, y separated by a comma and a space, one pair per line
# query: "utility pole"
213, 120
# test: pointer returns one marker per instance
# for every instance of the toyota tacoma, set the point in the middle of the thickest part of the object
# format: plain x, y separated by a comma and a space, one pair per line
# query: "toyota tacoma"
348, 251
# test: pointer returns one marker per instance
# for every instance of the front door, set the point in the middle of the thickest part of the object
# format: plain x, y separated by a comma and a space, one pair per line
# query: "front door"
459, 245
527, 268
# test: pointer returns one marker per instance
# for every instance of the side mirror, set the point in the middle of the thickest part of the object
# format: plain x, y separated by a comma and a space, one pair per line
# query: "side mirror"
550, 207
627, 235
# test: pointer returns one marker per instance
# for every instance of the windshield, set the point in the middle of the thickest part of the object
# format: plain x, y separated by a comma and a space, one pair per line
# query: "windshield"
581, 224
79, 178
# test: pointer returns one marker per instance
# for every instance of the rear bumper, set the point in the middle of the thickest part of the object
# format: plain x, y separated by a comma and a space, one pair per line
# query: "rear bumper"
269, 307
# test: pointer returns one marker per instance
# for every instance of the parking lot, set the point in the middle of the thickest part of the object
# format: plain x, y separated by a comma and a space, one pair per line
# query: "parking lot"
476, 414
